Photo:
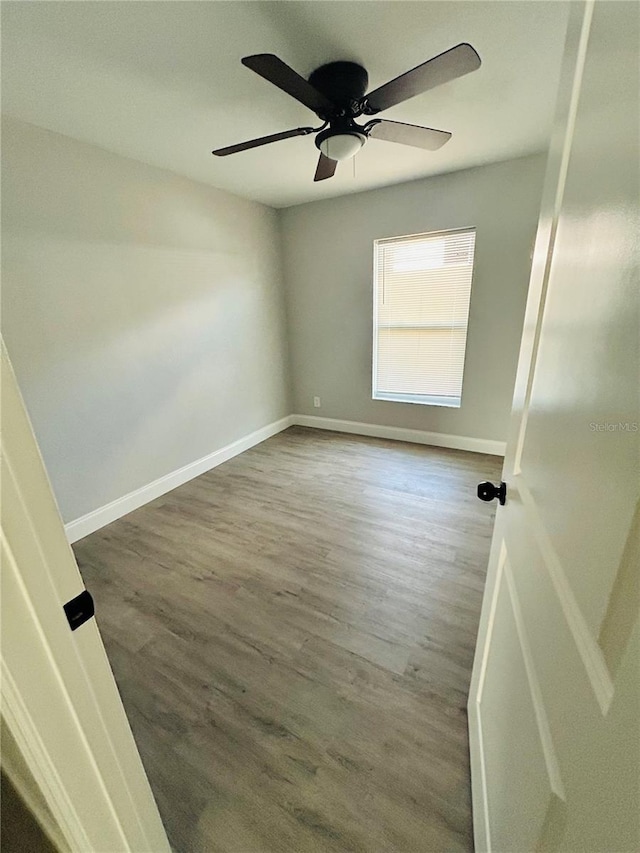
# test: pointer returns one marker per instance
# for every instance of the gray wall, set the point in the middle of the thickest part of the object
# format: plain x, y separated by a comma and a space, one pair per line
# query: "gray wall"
328, 254
143, 313
145, 317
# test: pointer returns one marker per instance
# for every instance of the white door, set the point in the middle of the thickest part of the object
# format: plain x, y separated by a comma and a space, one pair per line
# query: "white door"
554, 708
59, 699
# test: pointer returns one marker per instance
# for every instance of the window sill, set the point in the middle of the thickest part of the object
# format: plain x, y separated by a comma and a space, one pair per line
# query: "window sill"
419, 399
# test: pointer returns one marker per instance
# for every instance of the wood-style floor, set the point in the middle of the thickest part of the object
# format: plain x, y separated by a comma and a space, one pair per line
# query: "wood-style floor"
292, 634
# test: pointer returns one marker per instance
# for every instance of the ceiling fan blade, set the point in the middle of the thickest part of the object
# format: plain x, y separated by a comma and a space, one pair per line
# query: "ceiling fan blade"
262, 140
326, 168
453, 63
408, 134
276, 71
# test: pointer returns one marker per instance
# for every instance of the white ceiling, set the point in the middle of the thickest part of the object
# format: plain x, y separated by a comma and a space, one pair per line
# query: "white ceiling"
162, 82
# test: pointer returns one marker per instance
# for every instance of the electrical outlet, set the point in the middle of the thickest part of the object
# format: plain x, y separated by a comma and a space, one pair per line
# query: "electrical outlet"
316, 402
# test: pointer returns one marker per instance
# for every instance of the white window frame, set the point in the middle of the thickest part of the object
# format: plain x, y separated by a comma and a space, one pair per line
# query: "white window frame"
417, 399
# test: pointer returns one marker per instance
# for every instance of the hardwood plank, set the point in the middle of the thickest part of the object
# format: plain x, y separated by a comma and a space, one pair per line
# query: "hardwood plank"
292, 634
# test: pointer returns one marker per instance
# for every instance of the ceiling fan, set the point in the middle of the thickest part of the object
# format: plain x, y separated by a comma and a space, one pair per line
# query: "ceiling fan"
336, 94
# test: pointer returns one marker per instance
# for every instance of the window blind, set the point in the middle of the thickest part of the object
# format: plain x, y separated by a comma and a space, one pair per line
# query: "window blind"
422, 288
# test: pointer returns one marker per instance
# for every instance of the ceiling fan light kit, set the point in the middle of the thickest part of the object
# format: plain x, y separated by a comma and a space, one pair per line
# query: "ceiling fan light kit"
340, 145
336, 94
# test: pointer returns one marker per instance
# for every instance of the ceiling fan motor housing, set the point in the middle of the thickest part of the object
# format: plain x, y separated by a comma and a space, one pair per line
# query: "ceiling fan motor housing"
344, 83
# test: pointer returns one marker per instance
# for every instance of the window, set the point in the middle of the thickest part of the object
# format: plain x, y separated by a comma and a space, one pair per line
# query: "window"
422, 287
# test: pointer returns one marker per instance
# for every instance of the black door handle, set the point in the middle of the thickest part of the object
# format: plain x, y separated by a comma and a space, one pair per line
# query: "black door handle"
488, 491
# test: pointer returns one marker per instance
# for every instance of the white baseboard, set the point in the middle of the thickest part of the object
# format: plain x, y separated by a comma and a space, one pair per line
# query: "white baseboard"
415, 436
104, 515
